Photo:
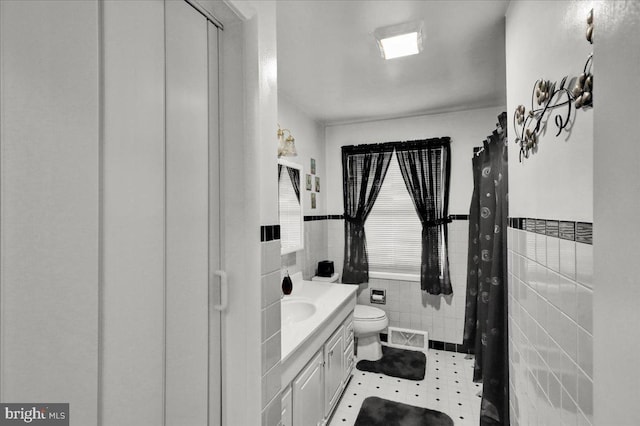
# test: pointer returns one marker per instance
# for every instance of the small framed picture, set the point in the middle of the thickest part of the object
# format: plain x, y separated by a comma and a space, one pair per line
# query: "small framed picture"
317, 184
313, 166
308, 182
313, 200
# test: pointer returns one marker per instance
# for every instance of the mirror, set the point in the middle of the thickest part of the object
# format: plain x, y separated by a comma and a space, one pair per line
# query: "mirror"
290, 206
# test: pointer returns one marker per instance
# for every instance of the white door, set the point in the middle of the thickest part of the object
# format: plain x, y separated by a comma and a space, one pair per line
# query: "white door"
192, 223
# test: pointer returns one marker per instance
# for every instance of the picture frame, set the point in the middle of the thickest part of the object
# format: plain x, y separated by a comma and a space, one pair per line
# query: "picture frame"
308, 186
313, 166
313, 200
317, 184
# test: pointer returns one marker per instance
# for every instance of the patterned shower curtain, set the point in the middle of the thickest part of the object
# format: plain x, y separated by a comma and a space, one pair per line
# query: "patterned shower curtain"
486, 308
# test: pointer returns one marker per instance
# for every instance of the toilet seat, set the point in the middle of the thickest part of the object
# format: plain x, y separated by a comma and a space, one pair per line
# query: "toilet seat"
368, 313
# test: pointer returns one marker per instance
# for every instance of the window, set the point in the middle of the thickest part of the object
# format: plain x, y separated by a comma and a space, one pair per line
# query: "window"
393, 229
290, 210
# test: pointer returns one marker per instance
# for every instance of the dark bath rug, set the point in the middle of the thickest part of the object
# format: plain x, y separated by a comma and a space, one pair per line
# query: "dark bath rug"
399, 363
382, 412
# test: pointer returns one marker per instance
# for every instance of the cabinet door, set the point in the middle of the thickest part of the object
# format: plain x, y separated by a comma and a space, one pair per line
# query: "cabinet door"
308, 394
286, 419
334, 368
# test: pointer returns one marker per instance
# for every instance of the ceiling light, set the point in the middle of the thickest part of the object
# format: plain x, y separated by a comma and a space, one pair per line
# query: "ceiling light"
400, 40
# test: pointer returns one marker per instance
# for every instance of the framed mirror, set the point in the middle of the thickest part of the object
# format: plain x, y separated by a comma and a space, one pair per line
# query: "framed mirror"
290, 206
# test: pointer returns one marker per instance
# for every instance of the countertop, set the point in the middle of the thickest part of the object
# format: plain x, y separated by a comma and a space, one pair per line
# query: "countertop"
328, 298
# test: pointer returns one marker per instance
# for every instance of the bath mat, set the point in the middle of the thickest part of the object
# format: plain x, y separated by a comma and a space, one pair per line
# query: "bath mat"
382, 412
400, 363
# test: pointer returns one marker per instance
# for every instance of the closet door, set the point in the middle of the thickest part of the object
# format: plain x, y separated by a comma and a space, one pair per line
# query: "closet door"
215, 353
187, 216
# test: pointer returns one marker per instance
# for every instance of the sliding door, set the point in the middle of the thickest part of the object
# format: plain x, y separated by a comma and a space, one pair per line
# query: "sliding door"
192, 234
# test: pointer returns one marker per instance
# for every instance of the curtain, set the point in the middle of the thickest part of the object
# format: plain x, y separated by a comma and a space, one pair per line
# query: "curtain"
294, 175
486, 307
426, 169
363, 170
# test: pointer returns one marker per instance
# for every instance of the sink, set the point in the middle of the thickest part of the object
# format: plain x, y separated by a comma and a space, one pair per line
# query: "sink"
296, 309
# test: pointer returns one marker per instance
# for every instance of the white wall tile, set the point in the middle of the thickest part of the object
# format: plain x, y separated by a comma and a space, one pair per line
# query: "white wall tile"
271, 288
585, 352
584, 264
271, 384
270, 320
568, 301
553, 253
270, 256
585, 396
550, 323
271, 351
271, 415
569, 415
541, 249
568, 258
584, 298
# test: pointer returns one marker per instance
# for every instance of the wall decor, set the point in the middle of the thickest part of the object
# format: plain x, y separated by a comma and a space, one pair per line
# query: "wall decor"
313, 166
317, 184
313, 200
548, 96
308, 182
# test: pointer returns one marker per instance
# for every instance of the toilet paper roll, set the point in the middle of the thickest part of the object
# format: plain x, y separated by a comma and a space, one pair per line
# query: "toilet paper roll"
377, 297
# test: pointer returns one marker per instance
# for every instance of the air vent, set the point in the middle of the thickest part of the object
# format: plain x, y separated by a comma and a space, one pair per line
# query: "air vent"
405, 338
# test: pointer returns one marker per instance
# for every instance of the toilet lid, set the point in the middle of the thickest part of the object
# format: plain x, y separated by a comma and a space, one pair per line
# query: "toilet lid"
364, 312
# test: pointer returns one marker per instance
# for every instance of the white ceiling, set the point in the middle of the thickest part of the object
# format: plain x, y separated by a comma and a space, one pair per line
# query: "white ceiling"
330, 67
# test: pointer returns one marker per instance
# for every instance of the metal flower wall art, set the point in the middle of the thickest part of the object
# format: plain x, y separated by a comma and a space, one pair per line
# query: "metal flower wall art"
548, 97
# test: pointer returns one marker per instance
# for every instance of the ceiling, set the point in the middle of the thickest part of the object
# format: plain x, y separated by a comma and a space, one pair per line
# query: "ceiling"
330, 67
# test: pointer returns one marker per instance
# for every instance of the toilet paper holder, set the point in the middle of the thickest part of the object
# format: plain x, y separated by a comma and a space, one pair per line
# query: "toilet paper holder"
378, 296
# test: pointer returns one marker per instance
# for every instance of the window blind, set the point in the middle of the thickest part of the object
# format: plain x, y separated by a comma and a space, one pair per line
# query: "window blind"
393, 229
290, 214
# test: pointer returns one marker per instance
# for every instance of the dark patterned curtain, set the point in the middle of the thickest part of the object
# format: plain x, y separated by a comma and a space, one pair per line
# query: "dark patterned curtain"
486, 308
363, 170
294, 175
426, 169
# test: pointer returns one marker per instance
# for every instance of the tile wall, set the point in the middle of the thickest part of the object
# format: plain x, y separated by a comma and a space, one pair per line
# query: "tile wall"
271, 288
315, 248
550, 266
407, 306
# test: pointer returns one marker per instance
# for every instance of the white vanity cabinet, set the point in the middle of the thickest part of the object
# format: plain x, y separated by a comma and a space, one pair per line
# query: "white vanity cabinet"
315, 391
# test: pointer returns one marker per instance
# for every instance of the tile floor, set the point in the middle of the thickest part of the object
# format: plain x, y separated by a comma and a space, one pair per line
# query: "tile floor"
448, 387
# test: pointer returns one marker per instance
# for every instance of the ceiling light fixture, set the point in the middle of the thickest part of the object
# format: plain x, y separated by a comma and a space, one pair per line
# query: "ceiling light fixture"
400, 40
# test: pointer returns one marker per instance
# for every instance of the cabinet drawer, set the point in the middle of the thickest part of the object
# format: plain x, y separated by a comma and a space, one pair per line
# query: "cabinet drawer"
349, 361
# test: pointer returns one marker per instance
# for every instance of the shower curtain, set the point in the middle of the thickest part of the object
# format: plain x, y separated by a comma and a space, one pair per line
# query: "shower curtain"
486, 308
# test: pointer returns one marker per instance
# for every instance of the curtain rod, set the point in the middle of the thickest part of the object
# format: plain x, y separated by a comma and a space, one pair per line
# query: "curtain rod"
398, 146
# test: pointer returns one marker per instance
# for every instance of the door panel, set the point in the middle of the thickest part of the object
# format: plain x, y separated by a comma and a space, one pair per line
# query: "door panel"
187, 216
215, 374
133, 159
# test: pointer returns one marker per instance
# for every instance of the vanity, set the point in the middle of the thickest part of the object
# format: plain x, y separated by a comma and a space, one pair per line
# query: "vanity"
317, 349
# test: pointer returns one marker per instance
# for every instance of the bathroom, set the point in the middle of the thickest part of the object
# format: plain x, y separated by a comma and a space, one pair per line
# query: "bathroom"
93, 312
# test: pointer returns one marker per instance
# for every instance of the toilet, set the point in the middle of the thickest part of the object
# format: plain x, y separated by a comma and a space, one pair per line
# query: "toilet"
368, 323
